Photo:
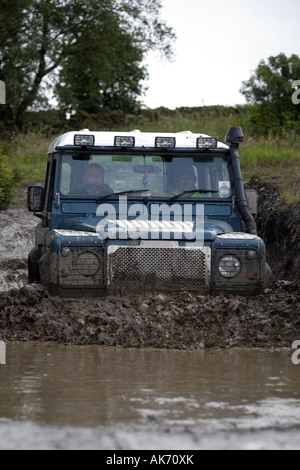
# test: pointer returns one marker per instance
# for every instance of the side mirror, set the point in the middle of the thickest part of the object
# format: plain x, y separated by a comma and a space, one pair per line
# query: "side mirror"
35, 198
251, 198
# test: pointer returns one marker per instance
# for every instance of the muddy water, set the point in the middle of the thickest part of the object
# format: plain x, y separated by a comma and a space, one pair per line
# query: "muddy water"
158, 371
17, 238
91, 397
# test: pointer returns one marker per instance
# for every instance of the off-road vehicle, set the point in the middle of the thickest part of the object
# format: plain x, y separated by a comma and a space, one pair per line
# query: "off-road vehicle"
169, 213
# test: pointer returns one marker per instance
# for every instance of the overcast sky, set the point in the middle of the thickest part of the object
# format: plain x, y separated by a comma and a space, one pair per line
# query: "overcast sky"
219, 44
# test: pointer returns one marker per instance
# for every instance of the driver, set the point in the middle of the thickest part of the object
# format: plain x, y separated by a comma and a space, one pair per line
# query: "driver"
93, 181
93, 176
184, 179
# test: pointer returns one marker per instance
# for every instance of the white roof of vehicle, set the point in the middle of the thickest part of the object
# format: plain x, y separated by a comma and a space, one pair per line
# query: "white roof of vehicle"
184, 139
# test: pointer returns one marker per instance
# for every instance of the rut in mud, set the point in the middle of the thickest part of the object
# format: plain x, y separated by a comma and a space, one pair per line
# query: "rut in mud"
158, 320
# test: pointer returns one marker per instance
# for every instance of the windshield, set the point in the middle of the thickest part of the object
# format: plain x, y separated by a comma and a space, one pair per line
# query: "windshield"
102, 176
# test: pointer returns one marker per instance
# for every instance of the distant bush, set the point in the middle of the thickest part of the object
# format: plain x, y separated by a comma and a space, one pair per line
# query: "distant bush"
9, 179
269, 90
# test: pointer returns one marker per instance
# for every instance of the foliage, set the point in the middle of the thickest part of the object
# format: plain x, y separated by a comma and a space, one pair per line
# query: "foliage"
90, 53
9, 179
270, 90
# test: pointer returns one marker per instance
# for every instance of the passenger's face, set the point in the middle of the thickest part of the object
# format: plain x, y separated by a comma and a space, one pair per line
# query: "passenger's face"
185, 181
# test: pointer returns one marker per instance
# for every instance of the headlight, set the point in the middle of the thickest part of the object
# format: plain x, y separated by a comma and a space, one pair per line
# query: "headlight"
229, 266
87, 263
84, 139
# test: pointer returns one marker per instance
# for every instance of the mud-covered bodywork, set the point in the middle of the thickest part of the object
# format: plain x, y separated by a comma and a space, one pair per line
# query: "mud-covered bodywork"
169, 212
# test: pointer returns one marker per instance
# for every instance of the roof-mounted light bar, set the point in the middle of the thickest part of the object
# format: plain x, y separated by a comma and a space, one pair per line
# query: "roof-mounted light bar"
207, 142
124, 141
165, 142
84, 140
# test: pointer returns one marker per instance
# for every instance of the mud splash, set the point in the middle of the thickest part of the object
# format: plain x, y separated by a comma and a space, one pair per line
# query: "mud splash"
160, 321
157, 320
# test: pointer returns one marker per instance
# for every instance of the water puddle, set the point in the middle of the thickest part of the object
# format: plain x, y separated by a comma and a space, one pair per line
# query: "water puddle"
113, 398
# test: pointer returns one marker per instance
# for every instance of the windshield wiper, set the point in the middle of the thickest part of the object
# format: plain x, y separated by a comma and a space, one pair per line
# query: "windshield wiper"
128, 191
190, 191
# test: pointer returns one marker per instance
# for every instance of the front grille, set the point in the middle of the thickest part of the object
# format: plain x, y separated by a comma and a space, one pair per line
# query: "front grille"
83, 267
159, 268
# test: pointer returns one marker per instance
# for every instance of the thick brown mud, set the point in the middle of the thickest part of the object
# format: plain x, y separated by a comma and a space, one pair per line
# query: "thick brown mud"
178, 321
279, 226
158, 320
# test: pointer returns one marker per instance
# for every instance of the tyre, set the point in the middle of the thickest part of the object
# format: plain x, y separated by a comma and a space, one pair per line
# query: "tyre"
33, 270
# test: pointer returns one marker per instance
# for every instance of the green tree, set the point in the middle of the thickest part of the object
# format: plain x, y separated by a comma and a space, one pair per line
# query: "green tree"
270, 90
90, 52
95, 79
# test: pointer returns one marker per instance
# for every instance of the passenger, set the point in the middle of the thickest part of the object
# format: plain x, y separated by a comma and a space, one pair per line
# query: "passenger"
184, 179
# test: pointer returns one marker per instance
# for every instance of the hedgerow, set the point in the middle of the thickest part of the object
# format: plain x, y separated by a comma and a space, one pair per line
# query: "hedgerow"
9, 180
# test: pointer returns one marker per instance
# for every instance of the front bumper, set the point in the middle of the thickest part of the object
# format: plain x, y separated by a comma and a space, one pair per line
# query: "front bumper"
89, 266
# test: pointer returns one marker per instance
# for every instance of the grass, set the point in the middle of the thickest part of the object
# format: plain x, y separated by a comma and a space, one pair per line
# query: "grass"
276, 160
28, 153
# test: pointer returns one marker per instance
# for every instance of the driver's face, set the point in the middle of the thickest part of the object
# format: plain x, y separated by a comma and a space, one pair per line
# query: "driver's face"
93, 175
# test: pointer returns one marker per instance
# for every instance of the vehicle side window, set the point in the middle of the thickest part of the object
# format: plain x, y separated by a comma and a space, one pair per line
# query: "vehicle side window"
65, 181
51, 165
49, 194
